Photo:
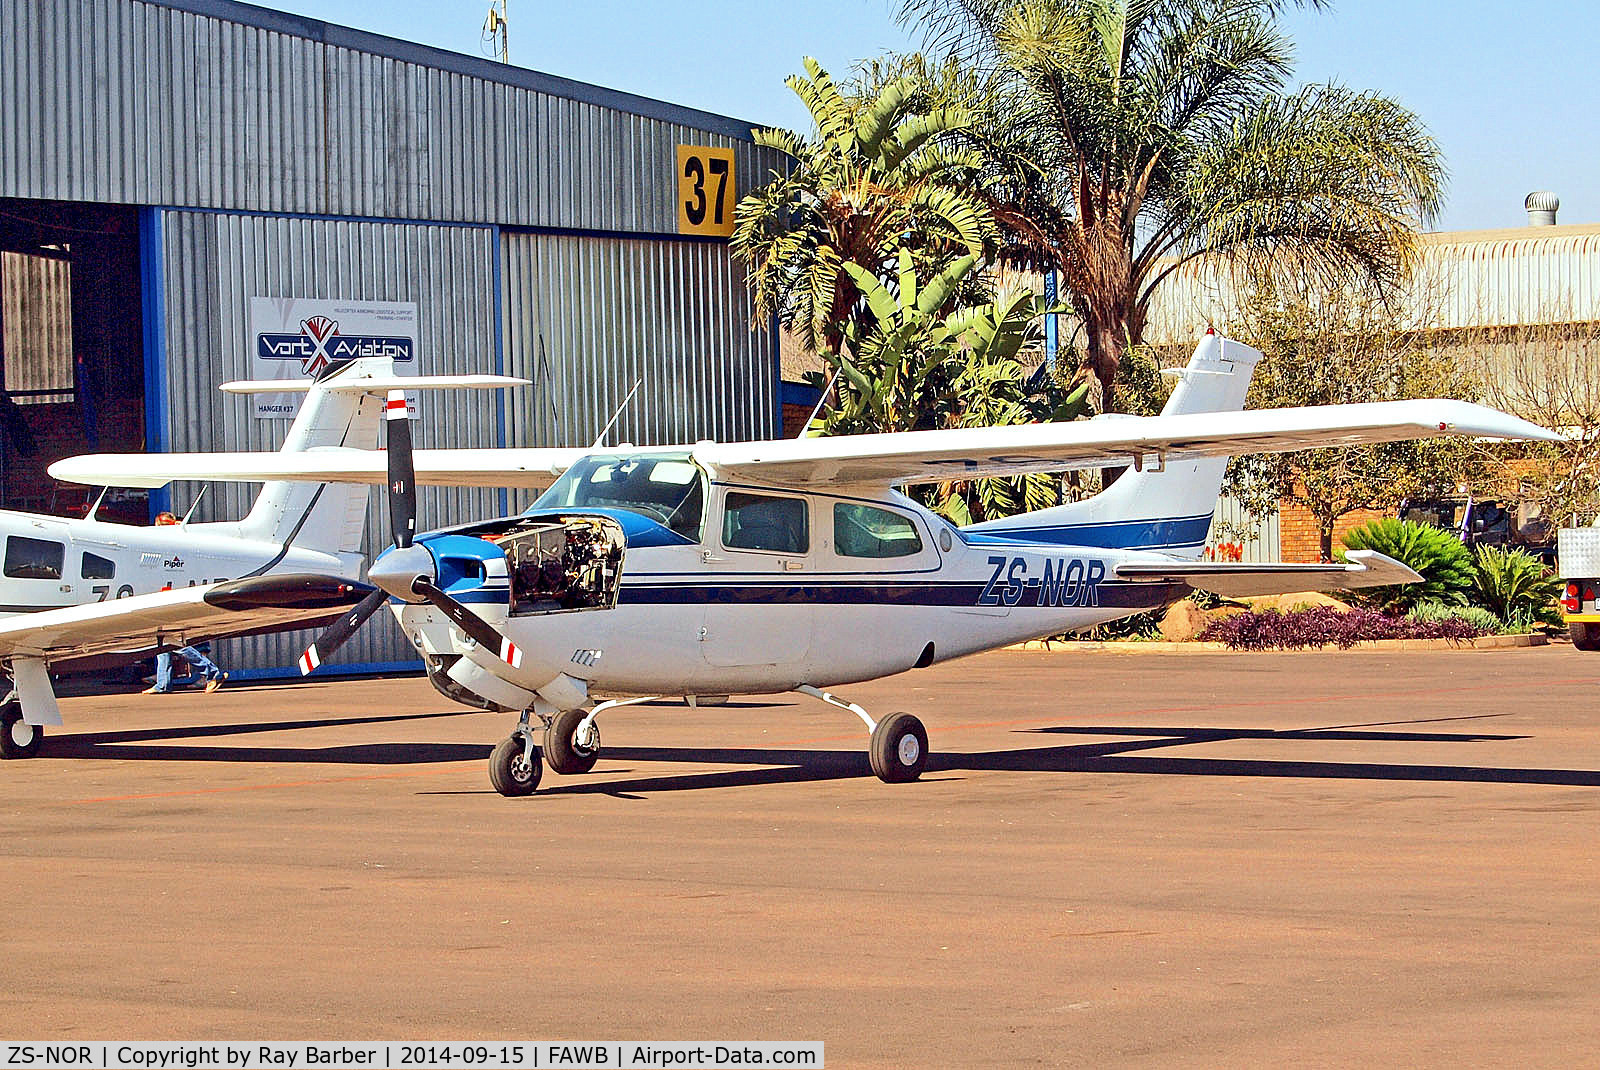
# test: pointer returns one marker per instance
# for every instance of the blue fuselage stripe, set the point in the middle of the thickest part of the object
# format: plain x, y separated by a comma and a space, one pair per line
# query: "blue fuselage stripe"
1165, 533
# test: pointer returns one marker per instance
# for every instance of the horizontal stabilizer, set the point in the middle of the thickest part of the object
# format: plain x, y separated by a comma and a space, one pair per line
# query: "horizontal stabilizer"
374, 385
1362, 568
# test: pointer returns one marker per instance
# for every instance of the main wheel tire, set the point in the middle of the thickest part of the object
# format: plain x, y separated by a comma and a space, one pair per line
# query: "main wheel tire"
899, 751
1585, 636
18, 738
562, 751
511, 771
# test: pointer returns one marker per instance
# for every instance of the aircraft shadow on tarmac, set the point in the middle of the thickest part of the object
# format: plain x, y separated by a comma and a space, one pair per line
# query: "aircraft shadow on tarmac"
1110, 755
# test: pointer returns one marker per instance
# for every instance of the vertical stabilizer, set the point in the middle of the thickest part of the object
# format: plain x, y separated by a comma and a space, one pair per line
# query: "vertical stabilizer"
327, 517
1168, 509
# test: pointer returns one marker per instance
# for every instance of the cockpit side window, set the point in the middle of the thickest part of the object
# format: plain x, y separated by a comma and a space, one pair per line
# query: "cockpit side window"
765, 522
34, 559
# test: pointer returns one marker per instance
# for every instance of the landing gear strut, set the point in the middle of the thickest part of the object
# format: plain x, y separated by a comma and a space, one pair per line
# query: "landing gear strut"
18, 738
514, 765
898, 752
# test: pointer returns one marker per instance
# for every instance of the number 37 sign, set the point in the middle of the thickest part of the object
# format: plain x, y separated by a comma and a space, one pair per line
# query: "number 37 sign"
705, 191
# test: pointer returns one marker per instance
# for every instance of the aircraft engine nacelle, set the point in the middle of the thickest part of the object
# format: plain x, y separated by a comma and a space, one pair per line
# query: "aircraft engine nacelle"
511, 570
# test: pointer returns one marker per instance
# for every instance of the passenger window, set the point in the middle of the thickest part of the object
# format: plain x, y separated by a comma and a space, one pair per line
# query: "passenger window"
34, 559
862, 531
96, 567
764, 522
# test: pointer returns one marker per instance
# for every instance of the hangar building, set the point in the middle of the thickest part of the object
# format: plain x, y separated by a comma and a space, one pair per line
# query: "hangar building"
166, 163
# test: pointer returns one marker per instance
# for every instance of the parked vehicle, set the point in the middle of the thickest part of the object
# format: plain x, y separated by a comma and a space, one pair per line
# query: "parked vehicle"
1483, 523
1578, 553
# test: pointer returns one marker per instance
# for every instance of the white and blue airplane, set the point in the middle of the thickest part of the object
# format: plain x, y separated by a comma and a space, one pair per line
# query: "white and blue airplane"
84, 593
799, 565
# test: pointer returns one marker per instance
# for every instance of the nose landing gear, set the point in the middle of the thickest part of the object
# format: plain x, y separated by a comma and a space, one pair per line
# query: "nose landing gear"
515, 765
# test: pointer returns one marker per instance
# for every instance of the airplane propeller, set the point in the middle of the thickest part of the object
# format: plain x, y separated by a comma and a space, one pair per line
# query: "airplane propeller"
406, 572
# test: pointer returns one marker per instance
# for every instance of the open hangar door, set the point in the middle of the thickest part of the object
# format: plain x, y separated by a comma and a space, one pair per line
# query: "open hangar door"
71, 352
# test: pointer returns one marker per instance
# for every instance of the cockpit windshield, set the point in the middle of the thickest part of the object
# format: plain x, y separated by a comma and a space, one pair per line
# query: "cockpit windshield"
666, 487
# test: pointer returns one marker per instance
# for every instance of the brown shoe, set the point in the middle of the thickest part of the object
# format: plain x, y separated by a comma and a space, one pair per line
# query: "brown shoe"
215, 682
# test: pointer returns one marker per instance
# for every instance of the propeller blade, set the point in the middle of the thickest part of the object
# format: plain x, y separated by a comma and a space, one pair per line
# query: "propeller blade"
402, 528
336, 634
475, 627
402, 471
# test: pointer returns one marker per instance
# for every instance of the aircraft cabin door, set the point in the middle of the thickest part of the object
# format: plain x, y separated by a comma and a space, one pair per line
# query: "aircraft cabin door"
759, 560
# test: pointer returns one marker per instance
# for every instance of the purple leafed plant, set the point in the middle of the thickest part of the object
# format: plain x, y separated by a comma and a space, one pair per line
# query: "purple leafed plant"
1319, 626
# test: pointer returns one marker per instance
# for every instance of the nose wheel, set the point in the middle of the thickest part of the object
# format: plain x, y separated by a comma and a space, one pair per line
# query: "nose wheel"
515, 766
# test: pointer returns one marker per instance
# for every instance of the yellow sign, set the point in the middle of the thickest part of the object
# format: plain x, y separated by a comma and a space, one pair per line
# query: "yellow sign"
705, 191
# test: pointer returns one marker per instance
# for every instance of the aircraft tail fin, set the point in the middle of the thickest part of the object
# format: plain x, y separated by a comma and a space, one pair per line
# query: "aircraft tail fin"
327, 517
1169, 508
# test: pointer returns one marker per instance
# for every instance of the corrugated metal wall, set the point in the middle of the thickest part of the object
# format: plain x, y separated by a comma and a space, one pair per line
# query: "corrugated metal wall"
586, 318
1260, 538
1535, 275
132, 102
215, 263
36, 316
1538, 276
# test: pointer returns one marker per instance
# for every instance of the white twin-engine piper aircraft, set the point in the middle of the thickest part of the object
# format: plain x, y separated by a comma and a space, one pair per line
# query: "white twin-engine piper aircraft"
81, 594
765, 567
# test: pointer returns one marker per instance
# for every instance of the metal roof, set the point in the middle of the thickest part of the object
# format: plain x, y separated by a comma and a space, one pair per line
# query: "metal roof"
284, 22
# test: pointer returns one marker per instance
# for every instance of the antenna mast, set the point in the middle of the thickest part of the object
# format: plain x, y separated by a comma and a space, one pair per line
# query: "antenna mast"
496, 32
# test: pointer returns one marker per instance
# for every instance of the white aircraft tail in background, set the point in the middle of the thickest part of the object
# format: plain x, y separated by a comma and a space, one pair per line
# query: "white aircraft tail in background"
82, 593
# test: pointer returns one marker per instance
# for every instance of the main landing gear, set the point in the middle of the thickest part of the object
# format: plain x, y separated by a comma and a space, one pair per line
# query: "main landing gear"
571, 745
898, 752
18, 738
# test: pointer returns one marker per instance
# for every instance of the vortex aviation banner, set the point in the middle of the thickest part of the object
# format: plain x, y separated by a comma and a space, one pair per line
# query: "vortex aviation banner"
298, 337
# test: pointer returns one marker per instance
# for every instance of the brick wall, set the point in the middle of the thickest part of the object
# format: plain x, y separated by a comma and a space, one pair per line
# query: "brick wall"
1297, 531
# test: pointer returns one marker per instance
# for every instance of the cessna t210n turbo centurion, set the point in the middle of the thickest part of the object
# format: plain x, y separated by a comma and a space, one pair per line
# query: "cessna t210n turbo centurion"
81, 594
765, 567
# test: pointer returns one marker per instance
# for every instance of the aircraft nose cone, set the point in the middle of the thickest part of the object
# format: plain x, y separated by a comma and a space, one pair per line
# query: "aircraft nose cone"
397, 571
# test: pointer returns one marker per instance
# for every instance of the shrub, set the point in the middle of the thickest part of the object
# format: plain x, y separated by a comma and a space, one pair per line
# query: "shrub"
1445, 565
1516, 586
1319, 626
1477, 616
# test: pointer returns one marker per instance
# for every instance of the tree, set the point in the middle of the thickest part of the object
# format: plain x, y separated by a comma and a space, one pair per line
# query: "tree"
1338, 348
1125, 138
1549, 373
918, 368
875, 178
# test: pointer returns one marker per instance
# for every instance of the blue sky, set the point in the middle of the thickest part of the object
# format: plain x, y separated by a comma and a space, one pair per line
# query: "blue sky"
1508, 89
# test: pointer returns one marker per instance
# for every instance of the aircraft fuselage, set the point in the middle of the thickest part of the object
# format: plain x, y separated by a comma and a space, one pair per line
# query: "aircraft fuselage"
702, 611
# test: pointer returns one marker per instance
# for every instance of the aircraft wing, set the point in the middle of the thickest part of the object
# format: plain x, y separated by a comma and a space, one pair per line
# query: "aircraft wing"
446, 468
142, 624
963, 453
904, 457
1365, 568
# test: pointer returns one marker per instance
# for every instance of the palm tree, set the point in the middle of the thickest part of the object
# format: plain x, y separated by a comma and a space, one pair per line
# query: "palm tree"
874, 179
1127, 138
